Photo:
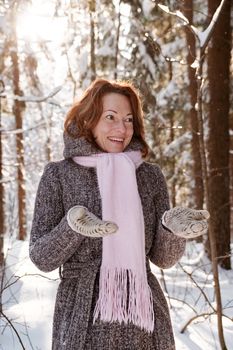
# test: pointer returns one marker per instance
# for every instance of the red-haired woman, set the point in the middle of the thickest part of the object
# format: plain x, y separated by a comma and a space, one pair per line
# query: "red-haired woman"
101, 215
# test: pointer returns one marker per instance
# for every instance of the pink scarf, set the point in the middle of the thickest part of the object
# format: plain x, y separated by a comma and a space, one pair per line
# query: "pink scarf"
124, 293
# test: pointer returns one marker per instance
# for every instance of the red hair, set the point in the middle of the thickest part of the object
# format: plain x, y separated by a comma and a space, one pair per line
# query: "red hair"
86, 113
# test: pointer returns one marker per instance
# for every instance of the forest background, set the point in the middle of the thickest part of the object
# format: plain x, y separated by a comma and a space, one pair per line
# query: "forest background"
51, 51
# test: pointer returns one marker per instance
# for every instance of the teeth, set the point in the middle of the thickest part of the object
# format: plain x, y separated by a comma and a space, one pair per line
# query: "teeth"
116, 139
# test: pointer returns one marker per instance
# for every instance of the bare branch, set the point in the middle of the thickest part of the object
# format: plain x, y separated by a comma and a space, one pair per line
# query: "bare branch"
185, 303
198, 316
13, 327
201, 290
7, 285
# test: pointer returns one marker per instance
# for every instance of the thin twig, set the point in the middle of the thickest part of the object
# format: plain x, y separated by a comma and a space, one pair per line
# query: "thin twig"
201, 290
13, 327
201, 315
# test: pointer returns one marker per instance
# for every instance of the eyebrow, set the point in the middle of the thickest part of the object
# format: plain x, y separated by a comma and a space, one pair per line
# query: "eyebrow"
112, 110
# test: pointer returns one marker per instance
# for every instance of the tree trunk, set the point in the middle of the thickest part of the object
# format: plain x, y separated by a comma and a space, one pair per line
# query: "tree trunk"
219, 53
231, 173
1, 189
172, 137
117, 42
172, 161
92, 33
187, 9
18, 108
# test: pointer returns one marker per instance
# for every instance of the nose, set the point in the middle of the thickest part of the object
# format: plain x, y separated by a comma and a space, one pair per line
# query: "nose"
120, 126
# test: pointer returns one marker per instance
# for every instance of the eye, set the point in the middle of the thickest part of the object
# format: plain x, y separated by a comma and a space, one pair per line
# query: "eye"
109, 117
129, 120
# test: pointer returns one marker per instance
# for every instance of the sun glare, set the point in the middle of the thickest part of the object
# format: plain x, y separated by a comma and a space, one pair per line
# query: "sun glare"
34, 25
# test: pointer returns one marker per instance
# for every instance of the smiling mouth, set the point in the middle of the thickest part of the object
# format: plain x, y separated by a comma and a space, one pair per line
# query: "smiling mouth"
116, 139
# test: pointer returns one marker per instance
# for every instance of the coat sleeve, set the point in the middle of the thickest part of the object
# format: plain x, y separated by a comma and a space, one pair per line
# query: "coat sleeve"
52, 241
167, 248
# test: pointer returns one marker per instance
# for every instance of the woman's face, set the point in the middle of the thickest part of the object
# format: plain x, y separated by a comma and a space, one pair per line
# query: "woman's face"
114, 130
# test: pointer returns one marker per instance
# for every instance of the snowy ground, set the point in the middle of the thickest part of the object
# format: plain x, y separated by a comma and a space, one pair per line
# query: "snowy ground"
28, 301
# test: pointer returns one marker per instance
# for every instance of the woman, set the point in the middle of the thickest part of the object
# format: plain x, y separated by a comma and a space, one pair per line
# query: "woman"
100, 215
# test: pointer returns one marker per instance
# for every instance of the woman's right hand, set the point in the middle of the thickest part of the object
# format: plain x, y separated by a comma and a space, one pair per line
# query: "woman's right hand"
87, 224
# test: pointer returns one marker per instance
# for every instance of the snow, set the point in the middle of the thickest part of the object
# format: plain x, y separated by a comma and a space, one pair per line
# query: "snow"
2, 23
107, 49
28, 301
29, 296
177, 13
46, 98
147, 7
147, 59
172, 148
203, 36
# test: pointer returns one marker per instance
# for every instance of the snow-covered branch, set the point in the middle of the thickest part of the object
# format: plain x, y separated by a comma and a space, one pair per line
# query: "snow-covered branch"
173, 147
181, 16
202, 36
19, 131
44, 98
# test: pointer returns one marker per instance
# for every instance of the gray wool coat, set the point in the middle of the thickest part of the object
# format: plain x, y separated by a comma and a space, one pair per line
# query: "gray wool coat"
53, 244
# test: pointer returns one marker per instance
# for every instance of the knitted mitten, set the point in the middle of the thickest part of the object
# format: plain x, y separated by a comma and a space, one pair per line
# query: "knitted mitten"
185, 222
87, 224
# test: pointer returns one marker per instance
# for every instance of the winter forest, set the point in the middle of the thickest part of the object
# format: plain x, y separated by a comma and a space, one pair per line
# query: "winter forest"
179, 55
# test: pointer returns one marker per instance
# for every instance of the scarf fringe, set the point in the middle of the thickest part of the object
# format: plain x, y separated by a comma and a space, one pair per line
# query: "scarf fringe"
125, 297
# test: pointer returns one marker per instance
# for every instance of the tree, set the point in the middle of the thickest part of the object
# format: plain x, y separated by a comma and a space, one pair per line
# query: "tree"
1, 185
219, 53
187, 9
18, 108
92, 5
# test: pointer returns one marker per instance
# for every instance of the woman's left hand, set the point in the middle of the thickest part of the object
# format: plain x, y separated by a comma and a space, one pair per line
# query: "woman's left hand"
186, 222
